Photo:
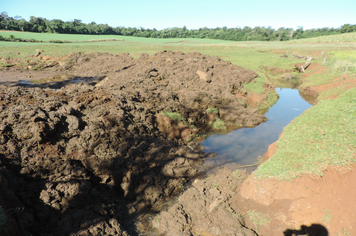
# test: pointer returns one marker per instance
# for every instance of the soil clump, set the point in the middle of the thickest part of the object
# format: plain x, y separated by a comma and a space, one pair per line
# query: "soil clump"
85, 159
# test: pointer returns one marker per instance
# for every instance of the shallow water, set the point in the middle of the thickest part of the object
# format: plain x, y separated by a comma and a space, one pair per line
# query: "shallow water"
54, 84
244, 146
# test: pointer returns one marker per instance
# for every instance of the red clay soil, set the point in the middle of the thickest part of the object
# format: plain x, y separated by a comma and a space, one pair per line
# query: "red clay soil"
253, 99
327, 201
344, 82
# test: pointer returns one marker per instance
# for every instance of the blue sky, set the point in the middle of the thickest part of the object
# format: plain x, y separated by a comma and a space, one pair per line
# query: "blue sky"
193, 14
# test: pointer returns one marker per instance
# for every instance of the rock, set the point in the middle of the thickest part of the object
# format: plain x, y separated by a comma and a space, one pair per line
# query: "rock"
203, 76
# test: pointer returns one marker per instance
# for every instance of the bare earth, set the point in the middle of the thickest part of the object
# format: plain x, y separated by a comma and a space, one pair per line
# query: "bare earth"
89, 159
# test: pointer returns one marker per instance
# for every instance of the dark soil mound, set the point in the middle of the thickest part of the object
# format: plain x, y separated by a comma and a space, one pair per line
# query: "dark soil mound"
174, 81
84, 160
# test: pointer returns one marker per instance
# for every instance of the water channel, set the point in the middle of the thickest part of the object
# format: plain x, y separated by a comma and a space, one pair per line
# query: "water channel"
244, 146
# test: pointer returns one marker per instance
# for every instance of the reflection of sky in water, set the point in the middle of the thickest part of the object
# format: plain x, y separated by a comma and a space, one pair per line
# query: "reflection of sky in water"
243, 146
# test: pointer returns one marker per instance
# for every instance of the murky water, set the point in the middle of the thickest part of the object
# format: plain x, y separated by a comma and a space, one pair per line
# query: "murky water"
244, 146
55, 84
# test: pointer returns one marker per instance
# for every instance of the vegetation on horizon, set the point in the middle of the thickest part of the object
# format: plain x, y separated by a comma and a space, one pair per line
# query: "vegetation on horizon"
42, 25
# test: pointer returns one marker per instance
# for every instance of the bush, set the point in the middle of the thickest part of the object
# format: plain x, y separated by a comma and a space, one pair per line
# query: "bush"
12, 38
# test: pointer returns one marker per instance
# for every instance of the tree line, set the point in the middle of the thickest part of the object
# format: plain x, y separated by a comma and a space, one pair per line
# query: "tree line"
76, 26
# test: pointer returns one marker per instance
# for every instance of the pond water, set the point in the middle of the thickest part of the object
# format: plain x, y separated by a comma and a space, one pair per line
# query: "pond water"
244, 146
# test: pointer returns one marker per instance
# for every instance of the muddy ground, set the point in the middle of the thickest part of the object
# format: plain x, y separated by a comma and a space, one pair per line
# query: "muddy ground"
89, 158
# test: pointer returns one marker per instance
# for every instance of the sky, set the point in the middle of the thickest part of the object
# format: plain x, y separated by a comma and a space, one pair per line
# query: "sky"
193, 14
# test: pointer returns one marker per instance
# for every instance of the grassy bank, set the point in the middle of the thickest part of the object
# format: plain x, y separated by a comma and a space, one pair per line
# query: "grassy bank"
336, 73
324, 135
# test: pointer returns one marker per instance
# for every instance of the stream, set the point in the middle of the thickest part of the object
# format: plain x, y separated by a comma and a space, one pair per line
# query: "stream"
244, 146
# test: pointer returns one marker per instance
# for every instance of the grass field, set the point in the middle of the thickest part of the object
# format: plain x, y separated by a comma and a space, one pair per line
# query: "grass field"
324, 135
338, 38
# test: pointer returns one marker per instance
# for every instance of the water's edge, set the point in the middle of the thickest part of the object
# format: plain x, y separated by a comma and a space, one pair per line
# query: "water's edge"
244, 146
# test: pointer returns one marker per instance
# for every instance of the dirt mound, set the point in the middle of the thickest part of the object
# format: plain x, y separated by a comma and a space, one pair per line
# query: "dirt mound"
86, 160
185, 83
74, 156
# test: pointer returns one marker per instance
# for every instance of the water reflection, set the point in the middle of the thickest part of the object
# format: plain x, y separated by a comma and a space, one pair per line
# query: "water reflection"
244, 146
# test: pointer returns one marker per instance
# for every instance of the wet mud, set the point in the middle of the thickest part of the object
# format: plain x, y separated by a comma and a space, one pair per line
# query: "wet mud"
89, 158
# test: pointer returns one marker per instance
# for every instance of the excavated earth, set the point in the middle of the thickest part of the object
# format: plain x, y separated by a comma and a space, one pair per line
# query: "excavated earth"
89, 158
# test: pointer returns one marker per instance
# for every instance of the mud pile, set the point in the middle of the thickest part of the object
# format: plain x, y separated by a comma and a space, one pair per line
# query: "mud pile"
86, 160
175, 82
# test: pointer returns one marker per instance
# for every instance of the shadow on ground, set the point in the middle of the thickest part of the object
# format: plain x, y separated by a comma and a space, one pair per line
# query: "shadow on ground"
312, 230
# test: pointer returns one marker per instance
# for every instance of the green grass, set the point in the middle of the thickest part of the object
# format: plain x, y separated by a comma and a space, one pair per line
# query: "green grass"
218, 124
256, 86
338, 64
93, 39
345, 232
324, 135
173, 115
272, 98
212, 110
328, 216
259, 218
338, 38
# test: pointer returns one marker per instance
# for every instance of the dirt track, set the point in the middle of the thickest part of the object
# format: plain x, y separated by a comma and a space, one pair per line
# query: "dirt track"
87, 159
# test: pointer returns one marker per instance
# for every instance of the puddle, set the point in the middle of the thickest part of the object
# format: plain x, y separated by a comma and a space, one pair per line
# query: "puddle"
244, 146
55, 84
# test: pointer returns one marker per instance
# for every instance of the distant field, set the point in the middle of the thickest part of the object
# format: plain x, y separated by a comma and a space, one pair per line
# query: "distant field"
88, 38
339, 38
